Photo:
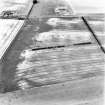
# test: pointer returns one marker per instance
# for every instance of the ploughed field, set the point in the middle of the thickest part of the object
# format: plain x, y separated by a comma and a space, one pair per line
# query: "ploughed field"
53, 50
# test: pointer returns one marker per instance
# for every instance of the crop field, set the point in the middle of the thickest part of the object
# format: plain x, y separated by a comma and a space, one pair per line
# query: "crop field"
54, 58
52, 50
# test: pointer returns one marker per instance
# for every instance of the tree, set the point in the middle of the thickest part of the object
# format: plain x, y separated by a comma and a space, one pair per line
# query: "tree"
35, 1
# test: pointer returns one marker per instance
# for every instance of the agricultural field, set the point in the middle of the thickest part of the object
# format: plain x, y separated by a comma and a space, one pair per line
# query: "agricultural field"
55, 59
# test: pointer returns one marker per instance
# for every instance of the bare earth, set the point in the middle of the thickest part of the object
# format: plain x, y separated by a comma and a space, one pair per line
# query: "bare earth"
54, 60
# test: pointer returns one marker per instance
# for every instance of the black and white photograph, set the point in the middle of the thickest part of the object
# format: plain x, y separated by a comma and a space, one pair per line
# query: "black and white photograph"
52, 52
